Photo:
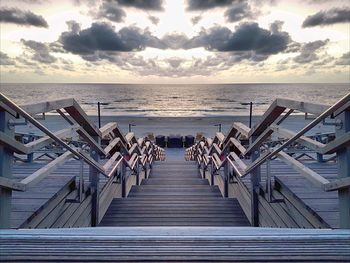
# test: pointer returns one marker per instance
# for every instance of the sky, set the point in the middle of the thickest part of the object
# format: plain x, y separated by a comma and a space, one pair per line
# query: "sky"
175, 41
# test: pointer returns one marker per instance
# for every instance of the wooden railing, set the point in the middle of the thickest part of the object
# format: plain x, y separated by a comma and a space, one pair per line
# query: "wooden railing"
121, 152
245, 150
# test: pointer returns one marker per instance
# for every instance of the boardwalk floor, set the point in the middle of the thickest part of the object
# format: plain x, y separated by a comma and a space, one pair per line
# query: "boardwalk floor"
175, 195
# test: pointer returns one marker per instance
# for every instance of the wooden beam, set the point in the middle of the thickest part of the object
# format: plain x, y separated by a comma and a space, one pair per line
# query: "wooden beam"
302, 106
46, 170
12, 184
309, 174
238, 145
107, 129
270, 116
337, 184
111, 145
46, 140
91, 141
339, 143
242, 129
79, 115
12, 144
303, 140
47, 106
259, 140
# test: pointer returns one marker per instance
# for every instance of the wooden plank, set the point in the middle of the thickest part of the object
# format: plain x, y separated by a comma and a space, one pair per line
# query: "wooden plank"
90, 141
302, 106
336, 184
238, 145
11, 184
271, 114
78, 114
303, 140
46, 140
46, 170
11, 143
107, 129
309, 174
47, 106
258, 141
242, 129
337, 144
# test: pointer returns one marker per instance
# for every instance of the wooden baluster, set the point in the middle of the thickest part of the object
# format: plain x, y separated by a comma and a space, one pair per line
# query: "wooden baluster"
6, 162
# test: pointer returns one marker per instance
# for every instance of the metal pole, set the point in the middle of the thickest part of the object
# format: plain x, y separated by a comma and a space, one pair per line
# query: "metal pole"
250, 113
99, 114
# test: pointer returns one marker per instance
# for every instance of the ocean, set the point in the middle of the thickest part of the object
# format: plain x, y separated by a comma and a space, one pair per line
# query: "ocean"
174, 100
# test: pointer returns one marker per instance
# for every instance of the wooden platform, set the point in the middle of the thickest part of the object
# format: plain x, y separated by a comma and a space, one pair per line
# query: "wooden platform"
175, 195
175, 244
27, 206
308, 199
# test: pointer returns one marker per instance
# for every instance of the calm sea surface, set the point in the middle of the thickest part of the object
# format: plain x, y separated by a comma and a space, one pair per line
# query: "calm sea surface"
175, 100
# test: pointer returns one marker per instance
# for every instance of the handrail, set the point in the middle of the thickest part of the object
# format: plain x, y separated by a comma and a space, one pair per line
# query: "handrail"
242, 169
308, 127
41, 127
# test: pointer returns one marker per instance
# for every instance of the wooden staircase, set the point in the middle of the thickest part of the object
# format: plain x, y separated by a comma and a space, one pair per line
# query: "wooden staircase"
175, 195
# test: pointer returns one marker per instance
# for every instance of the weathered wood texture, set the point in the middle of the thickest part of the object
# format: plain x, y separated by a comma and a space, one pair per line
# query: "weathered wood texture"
303, 205
175, 244
174, 195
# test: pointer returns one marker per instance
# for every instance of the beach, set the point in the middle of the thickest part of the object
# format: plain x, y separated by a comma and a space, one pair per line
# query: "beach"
174, 125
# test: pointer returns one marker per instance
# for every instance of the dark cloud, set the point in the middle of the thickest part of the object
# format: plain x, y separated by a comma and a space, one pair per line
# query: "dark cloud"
200, 5
155, 5
41, 51
111, 11
309, 51
238, 12
5, 60
344, 60
248, 37
195, 20
332, 16
175, 41
19, 17
103, 37
154, 20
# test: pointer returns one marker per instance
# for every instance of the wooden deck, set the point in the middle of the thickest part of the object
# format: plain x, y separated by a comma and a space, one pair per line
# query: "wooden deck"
28, 208
175, 195
175, 244
322, 208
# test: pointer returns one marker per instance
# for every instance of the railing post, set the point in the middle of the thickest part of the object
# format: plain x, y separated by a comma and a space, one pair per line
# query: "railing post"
255, 177
6, 162
226, 177
123, 179
343, 159
94, 181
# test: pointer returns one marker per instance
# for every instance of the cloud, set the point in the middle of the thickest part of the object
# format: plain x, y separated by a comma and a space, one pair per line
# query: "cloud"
238, 12
41, 51
195, 20
308, 52
154, 20
248, 37
5, 60
332, 16
155, 5
344, 60
19, 17
200, 5
103, 37
111, 11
